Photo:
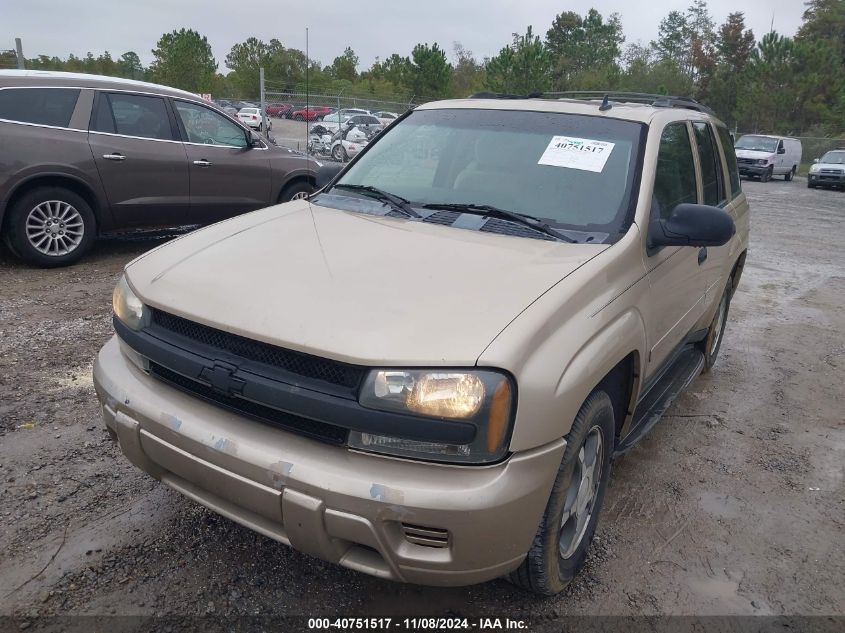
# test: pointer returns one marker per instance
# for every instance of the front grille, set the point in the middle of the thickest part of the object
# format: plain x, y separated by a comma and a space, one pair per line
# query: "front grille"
329, 371
426, 536
836, 172
745, 161
294, 423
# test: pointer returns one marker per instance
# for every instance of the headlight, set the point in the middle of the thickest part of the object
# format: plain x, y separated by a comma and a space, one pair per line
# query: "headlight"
127, 306
481, 398
762, 161
815, 169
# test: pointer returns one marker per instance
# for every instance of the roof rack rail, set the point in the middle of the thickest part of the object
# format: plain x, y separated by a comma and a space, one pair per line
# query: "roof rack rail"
607, 98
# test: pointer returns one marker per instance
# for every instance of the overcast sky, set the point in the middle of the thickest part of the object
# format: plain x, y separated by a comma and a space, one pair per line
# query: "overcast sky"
372, 28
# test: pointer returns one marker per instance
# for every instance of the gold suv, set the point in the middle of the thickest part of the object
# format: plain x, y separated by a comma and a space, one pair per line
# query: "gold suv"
424, 371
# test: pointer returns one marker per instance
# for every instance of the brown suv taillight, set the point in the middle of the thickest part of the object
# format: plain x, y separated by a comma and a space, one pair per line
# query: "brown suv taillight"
426, 536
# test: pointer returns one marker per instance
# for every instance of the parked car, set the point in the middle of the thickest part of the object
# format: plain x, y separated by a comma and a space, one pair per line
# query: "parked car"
278, 109
828, 171
351, 141
386, 118
333, 121
424, 371
311, 113
84, 155
252, 118
766, 156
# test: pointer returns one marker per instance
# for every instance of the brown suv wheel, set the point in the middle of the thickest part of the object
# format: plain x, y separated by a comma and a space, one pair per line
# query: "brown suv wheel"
51, 226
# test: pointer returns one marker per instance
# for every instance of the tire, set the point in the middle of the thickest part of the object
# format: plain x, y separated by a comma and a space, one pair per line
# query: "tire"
339, 154
549, 568
298, 117
810, 185
711, 345
68, 223
790, 174
766, 176
295, 191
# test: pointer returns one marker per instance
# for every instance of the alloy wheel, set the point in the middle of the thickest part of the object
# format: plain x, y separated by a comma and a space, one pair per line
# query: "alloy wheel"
582, 493
54, 228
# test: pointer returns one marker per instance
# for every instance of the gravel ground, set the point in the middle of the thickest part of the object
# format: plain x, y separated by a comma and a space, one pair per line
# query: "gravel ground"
733, 504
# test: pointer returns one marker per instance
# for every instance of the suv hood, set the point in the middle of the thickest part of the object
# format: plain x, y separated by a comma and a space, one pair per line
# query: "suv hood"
353, 287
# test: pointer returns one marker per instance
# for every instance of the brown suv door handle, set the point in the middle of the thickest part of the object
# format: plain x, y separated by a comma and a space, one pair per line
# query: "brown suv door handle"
203, 163
114, 156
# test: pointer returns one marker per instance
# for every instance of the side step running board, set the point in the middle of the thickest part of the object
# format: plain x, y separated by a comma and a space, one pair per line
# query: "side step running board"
653, 404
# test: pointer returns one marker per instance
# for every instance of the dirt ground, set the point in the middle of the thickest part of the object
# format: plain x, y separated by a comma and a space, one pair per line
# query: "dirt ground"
734, 503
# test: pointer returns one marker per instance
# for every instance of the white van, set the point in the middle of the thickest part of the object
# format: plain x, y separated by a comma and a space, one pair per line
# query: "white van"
767, 156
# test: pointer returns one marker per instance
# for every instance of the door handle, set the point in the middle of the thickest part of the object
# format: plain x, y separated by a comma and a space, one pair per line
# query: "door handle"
114, 156
203, 163
702, 255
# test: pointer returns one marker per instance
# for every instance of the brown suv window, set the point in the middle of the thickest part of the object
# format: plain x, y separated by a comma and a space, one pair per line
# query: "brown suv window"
730, 158
674, 181
44, 106
133, 115
711, 165
203, 125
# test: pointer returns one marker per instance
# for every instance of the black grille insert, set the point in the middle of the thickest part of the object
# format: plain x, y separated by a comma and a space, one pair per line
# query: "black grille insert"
329, 371
294, 423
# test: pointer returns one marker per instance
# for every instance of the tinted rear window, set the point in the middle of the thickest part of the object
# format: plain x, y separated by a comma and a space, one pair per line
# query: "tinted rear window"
45, 106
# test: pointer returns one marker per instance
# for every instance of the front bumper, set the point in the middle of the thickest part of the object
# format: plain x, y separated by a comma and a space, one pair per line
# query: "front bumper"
365, 512
752, 170
826, 179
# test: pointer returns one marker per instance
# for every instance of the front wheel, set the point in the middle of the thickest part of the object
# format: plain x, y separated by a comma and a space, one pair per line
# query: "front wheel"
299, 190
790, 174
339, 153
566, 530
766, 176
810, 185
51, 226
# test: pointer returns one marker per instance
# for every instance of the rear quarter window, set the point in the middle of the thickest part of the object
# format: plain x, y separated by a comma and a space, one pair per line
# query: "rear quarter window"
42, 106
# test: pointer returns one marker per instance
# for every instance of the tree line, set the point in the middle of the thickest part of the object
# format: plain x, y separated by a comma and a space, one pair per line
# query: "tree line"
780, 84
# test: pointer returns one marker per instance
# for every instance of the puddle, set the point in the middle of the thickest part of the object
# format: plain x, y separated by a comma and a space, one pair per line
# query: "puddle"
720, 505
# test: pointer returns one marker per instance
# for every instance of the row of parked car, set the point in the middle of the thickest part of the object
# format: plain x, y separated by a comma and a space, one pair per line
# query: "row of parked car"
764, 156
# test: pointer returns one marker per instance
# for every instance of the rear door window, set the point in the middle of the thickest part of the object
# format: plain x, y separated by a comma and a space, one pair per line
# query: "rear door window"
711, 165
133, 115
43, 106
730, 159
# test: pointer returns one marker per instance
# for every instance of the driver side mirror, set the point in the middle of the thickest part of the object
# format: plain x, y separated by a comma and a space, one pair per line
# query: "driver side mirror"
253, 140
781, 150
692, 225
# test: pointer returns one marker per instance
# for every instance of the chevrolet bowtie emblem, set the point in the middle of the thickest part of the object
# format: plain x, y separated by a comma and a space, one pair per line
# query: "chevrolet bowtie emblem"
222, 378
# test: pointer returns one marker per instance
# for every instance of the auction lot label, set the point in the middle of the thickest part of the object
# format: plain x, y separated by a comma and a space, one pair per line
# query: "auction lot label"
576, 153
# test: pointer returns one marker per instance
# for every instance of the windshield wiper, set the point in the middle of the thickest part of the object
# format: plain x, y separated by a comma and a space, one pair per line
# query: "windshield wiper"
391, 199
495, 212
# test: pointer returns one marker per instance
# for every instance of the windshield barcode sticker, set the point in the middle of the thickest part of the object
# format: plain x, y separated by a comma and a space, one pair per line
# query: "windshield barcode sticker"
576, 153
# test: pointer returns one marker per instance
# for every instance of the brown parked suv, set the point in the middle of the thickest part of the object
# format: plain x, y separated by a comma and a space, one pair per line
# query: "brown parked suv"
424, 371
83, 155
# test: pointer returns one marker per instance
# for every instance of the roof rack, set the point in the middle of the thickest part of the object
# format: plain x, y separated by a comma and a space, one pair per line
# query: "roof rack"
607, 98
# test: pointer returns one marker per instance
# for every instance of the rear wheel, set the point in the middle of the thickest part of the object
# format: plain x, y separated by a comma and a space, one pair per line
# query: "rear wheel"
790, 174
51, 226
711, 345
339, 153
566, 530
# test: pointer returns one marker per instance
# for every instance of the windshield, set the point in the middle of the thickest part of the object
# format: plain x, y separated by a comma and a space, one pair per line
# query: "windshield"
834, 158
757, 143
570, 170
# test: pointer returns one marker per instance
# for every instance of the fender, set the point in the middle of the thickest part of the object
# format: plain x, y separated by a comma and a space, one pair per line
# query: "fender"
594, 360
47, 171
